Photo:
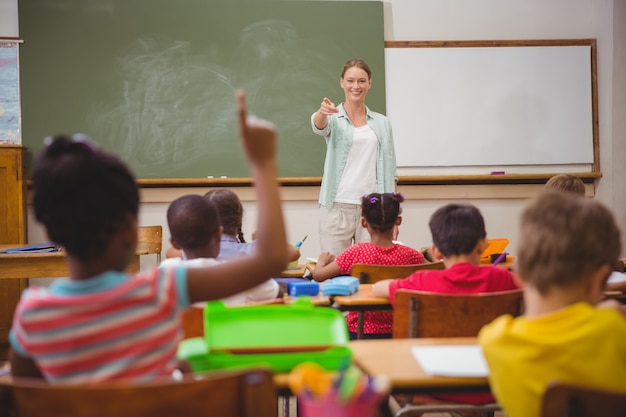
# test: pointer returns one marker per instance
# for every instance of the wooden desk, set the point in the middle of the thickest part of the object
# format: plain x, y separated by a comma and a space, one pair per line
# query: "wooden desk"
310, 266
44, 265
361, 301
293, 272
393, 358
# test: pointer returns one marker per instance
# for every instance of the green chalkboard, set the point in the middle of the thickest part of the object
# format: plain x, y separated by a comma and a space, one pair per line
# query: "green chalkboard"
154, 80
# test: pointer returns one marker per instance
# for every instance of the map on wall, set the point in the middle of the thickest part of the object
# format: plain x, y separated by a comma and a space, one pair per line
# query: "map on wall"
9, 94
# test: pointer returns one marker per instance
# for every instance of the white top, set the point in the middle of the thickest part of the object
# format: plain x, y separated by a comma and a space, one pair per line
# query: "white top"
359, 175
267, 290
616, 277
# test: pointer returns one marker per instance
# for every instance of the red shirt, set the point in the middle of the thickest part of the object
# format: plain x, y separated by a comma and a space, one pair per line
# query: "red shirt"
461, 278
376, 322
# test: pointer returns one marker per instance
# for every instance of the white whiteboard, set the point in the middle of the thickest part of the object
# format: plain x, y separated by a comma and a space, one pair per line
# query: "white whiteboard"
490, 106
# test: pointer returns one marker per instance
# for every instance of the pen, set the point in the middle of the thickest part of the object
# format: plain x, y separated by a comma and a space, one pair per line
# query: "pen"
301, 242
499, 258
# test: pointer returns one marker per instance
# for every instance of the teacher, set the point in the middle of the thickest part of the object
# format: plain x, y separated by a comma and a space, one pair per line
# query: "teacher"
360, 159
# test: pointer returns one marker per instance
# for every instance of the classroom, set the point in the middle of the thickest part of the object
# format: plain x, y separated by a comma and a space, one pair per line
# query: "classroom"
501, 200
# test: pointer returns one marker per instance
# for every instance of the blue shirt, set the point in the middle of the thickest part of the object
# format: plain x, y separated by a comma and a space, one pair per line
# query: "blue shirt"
339, 133
230, 247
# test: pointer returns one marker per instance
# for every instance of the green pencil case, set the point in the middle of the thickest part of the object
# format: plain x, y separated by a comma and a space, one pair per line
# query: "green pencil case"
277, 336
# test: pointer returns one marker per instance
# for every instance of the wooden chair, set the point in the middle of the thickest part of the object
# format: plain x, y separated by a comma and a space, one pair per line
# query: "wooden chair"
425, 314
152, 238
243, 393
369, 274
565, 400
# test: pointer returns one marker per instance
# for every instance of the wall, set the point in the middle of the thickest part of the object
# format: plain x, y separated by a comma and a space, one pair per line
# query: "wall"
8, 19
461, 20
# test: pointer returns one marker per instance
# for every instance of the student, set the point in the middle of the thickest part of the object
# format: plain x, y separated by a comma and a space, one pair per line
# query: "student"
360, 158
233, 242
568, 246
102, 324
567, 183
381, 212
194, 225
459, 238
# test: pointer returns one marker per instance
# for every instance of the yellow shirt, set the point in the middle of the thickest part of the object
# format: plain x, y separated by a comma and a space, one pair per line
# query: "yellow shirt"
578, 344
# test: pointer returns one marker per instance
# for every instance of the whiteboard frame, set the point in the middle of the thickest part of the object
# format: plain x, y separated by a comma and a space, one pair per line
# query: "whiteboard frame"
436, 170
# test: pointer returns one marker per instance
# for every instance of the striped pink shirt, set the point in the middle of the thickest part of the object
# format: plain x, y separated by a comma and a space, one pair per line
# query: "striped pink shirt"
109, 327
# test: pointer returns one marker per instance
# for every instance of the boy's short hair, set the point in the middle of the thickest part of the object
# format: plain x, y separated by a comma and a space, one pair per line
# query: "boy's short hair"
563, 239
566, 182
193, 221
456, 229
82, 194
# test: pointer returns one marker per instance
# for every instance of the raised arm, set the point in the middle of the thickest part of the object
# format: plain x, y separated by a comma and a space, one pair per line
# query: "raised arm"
228, 278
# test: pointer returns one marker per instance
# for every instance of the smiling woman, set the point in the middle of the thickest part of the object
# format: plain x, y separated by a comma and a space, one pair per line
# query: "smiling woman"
360, 158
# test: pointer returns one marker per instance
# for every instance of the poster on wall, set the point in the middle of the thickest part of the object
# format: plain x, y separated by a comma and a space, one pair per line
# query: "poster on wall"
9, 93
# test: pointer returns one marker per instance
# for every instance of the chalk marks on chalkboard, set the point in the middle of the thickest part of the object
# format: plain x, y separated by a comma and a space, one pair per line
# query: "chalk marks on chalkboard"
173, 102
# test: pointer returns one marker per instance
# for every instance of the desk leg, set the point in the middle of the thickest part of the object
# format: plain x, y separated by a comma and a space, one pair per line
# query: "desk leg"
360, 324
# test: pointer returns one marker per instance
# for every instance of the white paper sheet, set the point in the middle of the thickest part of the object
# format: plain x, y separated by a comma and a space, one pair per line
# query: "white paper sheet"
451, 360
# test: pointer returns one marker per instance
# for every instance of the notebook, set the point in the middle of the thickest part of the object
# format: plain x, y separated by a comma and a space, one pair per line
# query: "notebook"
451, 360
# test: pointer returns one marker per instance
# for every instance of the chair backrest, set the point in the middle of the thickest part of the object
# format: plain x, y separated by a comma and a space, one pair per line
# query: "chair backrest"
243, 393
152, 238
426, 314
369, 274
564, 400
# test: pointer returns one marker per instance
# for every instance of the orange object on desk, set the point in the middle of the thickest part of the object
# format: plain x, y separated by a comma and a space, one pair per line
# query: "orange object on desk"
509, 261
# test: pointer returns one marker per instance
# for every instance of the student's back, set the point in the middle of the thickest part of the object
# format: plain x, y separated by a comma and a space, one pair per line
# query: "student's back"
102, 324
381, 213
568, 248
460, 278
194, 224
459, 238
233, 243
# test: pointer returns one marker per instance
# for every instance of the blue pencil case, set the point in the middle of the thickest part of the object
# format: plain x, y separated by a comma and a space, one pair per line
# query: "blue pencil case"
343, 285
303, 288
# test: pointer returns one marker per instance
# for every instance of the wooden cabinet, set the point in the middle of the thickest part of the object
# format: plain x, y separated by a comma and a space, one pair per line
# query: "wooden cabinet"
12, 230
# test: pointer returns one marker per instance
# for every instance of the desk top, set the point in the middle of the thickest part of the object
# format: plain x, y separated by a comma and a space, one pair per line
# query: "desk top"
142, 249
46, 264
393, 358
364, 297
294, 272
